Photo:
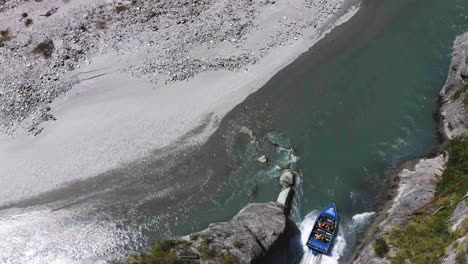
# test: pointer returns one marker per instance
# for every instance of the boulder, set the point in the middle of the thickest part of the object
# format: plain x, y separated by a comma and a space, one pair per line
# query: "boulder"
284, 197
247, 237
266, 221
287, 178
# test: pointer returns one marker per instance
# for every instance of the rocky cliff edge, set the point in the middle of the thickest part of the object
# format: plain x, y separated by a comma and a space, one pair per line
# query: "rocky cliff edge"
416, 178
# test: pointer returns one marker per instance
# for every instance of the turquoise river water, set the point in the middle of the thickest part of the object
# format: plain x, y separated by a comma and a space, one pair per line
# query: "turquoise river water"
344, 115
353, 108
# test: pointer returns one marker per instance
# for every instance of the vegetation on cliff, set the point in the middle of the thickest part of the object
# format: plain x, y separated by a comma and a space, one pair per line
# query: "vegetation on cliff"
380, 247
424, 239
161, 252
165, 252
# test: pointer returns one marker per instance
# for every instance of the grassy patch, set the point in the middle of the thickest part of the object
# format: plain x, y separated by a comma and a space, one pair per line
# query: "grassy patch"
45, 48
380, 247
162, 252
424, 239
460, 258
463, 90
457, 167
228, 259
206, 251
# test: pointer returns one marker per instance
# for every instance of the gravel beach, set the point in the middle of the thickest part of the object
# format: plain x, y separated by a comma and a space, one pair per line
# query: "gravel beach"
87, 87
103, 103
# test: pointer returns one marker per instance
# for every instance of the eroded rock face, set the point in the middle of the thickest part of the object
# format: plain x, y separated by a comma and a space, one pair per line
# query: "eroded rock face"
453, 111
414, 189
453, 250
248, 236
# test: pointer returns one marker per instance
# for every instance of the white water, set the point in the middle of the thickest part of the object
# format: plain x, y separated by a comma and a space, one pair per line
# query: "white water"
346, 234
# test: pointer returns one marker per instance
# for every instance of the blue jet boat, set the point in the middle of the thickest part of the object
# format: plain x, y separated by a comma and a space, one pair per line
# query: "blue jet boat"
321, 237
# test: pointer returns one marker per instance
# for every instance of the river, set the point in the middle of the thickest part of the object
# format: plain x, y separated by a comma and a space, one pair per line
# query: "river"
352, 108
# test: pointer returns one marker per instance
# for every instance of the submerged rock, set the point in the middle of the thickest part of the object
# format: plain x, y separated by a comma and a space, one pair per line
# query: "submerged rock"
263, 159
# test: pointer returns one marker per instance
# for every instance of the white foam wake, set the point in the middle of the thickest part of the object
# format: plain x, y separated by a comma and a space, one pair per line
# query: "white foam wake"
346, 234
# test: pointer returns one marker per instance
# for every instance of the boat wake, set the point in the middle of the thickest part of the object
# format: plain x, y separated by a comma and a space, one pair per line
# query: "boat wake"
347, 233
309, 258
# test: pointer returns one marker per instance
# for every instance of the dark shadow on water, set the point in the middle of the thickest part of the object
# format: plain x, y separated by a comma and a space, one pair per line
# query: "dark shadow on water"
288, 248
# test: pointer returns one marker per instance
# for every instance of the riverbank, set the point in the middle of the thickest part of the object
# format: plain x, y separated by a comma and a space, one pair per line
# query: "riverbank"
420, 180
97, 129
78, 60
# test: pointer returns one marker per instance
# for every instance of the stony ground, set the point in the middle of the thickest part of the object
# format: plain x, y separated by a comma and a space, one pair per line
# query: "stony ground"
42, 41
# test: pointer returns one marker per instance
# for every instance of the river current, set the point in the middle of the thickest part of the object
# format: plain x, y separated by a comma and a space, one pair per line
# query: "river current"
345, 115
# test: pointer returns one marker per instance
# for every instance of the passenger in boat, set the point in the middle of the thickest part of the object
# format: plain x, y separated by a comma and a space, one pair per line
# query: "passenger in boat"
321, 224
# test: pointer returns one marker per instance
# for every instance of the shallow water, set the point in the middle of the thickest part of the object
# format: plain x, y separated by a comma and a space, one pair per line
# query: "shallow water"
344, 115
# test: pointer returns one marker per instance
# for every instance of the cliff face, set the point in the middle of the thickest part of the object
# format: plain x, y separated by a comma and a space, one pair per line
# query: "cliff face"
453, 111
415, 188
415, 185
248, 236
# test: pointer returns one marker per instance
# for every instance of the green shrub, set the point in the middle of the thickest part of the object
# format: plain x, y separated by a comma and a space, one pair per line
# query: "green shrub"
207, 252
162, 252
46, 48
28, 22
5, 35
424, 239
380, 247
460, 258
457, 167
228, 259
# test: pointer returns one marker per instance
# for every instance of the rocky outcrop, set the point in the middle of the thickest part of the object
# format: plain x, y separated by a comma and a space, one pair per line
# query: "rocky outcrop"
415, 184
453, 251
456, 252
414, 189
247, 237
453, 111
251, 233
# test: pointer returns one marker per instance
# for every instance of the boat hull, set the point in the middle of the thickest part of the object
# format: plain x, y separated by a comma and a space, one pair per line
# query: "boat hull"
324, 231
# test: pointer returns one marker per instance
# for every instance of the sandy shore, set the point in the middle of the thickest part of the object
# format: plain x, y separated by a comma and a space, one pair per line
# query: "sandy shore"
118, 111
